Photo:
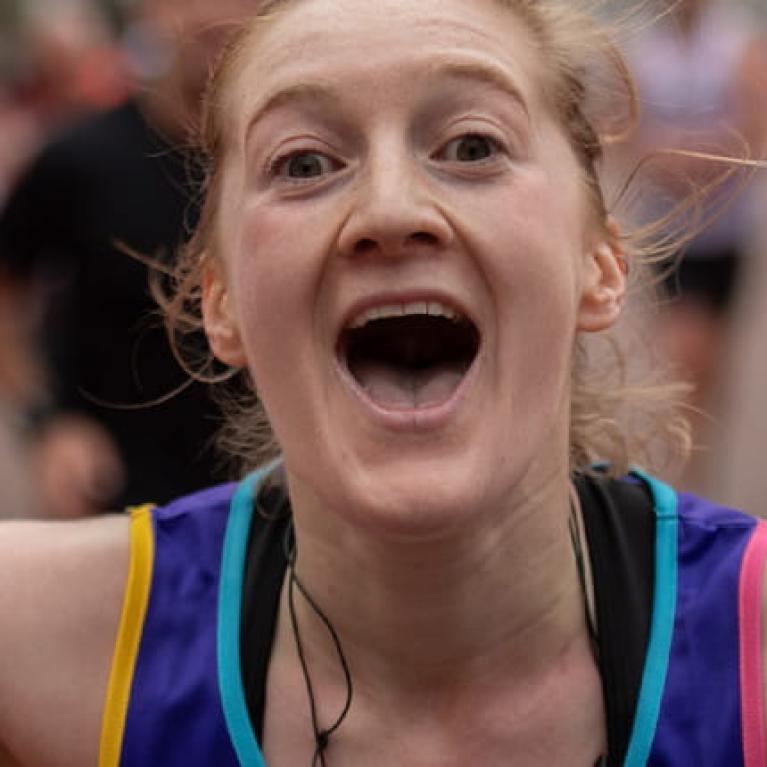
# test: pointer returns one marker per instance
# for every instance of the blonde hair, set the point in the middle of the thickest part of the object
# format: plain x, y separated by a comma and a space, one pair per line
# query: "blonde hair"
590, 91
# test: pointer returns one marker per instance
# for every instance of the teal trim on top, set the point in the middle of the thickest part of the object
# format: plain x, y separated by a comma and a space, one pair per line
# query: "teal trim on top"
662, 624
229, 618
230, 604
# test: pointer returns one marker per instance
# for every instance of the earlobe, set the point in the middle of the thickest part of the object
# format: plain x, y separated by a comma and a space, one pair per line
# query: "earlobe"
218, 319
604, 285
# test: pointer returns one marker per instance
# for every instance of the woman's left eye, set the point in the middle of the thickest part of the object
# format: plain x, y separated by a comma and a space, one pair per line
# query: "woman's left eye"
473, 147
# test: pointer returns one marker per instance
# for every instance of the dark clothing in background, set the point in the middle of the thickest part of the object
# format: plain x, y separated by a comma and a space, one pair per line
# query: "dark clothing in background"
112, 180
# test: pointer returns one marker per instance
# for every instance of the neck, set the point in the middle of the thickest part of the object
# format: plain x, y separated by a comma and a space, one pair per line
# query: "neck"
500, 600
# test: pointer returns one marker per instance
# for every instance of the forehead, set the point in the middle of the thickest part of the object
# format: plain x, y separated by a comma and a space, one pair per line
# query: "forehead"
194, 14
341, 43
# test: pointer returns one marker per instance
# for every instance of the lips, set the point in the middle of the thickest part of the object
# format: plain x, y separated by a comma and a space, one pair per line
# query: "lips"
409, 356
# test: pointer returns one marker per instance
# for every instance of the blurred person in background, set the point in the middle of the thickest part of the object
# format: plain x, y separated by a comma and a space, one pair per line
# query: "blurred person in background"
738, 465
702, 82
60, 63
117, 179
21, 376
70, 64
22, 135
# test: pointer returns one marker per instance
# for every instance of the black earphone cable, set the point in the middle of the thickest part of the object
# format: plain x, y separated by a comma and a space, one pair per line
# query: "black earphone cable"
321, 736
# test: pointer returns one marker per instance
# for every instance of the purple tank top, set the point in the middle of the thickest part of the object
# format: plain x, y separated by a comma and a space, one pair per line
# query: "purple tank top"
700, 702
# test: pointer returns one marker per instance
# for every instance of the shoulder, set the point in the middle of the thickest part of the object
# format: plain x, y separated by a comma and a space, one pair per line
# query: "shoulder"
198, 506
201, 513
188, 533
644, 511
695, 511
61, 588
40, 561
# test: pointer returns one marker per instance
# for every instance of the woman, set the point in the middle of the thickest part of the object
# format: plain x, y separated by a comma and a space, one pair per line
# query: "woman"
404, 241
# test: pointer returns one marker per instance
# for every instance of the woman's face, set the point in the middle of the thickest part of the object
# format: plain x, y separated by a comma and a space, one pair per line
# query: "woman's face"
407, 256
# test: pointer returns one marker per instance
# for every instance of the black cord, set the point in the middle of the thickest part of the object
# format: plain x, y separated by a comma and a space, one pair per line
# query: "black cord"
321, 737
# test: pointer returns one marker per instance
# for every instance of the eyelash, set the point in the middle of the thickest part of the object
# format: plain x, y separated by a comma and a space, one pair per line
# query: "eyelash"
495, 146
277, 167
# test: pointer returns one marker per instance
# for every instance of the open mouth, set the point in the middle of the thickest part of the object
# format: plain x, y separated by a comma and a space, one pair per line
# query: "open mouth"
407, 356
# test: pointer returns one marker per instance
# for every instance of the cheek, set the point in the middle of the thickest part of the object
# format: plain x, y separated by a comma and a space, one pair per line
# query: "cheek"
276, 270
536, 241
273, 273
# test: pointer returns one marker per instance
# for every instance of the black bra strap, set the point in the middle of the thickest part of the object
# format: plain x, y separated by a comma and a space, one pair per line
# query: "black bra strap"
620, 530
264, 575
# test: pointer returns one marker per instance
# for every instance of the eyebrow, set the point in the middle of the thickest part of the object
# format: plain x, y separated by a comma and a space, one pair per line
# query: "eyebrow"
482, 73
293, 93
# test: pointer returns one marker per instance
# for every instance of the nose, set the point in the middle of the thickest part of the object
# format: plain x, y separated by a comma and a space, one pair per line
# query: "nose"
394, 210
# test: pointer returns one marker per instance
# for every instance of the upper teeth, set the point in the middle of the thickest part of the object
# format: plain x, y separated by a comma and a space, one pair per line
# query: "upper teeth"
432, 308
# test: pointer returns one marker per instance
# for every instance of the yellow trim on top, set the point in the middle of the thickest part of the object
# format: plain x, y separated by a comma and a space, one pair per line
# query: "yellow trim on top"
128, 636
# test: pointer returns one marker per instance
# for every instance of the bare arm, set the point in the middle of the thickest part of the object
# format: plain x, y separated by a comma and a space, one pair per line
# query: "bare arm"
61, 587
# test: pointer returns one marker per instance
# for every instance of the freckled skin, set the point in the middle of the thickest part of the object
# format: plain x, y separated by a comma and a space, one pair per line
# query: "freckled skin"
438, 546
507, 237
348, 178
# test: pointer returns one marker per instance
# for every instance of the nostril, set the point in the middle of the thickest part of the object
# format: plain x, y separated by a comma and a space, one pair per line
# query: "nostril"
364, 246
393, 246
423, 238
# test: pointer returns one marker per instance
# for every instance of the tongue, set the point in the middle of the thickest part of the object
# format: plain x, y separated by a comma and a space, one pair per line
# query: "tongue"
395, 387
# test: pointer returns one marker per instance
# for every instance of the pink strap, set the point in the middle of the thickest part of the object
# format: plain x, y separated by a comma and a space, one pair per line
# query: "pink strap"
751, 661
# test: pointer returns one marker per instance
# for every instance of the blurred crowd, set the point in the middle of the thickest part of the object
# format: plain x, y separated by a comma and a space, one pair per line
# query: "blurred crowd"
700, 68
97, 104
99, 112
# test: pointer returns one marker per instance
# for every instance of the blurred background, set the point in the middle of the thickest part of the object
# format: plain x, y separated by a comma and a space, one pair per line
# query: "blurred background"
98, 105
97, 102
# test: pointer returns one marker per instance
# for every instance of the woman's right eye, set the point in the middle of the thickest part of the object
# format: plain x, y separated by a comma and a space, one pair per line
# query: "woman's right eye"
303, 166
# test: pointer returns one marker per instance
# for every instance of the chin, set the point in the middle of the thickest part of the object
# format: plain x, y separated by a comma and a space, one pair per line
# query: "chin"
421, 500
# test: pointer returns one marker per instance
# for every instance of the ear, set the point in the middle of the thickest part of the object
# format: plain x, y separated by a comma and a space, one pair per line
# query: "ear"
218, 319
604, 284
